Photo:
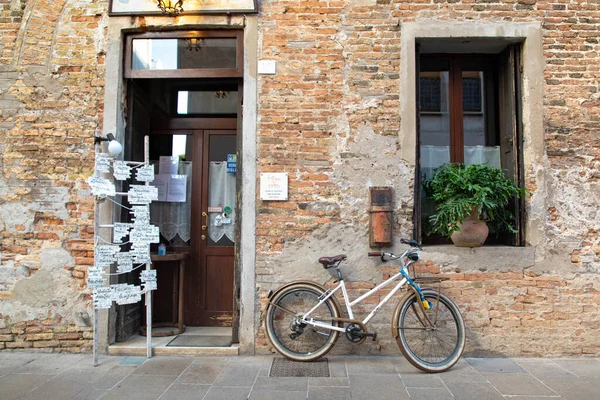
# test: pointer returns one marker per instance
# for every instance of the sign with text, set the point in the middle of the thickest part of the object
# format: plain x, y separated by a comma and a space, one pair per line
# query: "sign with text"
139, 194
274, 186
95, 279
105, 255
101, 187
145, 173
121, 171
103, 161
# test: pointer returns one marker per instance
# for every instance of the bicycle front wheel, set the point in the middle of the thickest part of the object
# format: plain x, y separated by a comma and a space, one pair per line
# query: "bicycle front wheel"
432, 340
294, 339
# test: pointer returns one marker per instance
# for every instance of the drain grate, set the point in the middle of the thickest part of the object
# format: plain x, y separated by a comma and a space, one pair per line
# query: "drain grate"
284, 367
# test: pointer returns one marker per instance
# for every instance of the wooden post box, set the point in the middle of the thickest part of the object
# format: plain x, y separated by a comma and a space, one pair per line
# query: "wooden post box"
380, 222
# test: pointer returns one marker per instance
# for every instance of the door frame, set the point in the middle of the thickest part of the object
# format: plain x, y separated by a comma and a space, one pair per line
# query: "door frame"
114, 121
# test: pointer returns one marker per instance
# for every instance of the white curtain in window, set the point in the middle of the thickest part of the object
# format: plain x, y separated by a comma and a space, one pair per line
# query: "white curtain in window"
221, 193
435, 156
174, 218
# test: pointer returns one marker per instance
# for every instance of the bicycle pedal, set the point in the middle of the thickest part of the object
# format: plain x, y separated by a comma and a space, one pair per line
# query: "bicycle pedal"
374, 336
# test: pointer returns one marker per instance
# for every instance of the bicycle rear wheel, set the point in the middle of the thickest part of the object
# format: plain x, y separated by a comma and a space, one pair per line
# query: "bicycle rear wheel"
292, 338
433, 346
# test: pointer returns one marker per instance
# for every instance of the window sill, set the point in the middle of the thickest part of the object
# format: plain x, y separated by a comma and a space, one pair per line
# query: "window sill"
485, 258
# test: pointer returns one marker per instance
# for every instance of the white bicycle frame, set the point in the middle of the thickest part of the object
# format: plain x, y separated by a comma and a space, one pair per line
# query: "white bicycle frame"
404, 270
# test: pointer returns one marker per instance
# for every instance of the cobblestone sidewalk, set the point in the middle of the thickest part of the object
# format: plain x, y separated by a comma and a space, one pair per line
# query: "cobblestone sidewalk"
60, 377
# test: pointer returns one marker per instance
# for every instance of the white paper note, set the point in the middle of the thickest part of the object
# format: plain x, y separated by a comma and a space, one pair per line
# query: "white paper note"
145, 173
121, 171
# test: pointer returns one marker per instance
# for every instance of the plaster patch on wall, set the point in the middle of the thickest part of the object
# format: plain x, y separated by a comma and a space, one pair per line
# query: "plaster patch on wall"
50, 288
16, 213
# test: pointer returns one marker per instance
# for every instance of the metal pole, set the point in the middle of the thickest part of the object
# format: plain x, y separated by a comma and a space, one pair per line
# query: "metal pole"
148, 292
96, 224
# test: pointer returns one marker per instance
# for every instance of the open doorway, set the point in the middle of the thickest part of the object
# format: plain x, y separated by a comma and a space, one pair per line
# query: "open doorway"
192, 123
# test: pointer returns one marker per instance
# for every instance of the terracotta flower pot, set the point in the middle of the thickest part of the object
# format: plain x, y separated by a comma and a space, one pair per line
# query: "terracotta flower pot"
472, 233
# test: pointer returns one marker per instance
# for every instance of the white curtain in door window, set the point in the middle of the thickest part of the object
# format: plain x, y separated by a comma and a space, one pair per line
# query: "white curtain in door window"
221, 193
435, 156
174, 218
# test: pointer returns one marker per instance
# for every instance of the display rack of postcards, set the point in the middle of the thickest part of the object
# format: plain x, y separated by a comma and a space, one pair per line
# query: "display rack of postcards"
128, 245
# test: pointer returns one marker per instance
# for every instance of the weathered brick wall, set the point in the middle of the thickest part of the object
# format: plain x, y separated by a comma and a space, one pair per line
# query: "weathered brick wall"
51, 103
330, 118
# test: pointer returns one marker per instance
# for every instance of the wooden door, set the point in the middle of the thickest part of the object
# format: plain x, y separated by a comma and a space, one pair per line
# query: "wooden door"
209, 274
218, 221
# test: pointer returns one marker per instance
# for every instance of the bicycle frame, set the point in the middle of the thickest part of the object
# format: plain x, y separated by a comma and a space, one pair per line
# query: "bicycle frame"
403, 272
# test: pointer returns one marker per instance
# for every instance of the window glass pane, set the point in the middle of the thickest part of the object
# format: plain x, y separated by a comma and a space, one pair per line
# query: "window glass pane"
172, 159
207, 102
434, 124
221, 190
168, 54
480, 140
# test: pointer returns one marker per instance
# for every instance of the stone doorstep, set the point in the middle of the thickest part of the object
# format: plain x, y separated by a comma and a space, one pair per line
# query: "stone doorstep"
121, 350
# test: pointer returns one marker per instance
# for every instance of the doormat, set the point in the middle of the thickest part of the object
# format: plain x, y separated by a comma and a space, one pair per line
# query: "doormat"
200, 341
314, 369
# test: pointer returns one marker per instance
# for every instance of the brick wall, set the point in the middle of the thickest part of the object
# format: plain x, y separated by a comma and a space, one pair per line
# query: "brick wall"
336, 96
51, 103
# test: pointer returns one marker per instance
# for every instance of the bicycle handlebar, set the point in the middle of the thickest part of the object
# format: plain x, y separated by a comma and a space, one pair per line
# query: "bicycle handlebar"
413, 243
375, 254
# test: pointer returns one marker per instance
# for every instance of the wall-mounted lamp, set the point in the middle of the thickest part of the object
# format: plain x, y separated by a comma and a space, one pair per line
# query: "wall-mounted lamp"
114, 148
171, 7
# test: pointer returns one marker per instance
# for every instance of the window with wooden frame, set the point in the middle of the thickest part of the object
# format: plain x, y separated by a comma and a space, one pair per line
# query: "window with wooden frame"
185, 54
469, 112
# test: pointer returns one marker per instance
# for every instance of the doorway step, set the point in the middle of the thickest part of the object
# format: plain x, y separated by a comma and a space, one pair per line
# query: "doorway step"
195, 341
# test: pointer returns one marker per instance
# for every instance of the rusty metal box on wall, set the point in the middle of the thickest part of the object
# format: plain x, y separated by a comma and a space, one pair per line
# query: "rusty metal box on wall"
380, 221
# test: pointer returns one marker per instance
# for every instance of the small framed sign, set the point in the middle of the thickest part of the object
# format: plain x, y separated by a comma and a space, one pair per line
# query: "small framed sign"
150, 7
274, 186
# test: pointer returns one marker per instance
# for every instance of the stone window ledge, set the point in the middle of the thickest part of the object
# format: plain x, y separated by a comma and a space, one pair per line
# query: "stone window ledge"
481, 259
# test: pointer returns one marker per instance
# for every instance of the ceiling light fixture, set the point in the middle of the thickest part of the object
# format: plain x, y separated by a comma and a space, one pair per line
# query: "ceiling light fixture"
171, 7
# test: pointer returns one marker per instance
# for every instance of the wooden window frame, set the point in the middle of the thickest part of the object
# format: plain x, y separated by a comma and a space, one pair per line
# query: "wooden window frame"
237, 72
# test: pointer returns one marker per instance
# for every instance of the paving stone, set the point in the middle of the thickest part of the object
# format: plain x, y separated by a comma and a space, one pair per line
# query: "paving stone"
200, 374
473, 391
518, 384
337, 367
326, 393
163, 366
211, 360
370, 366
227, 393
237, 375
50, 364
14, 386
265, 394
496, 365
575, 389
113, 376
422, 381
430, 394
90, 394
462, 371
282, 384
547, 370
377, 387
60, 387
185, 392
140, 387
588, 369
338, 382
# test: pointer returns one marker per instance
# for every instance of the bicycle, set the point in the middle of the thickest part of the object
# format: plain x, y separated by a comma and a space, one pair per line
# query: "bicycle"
303, 319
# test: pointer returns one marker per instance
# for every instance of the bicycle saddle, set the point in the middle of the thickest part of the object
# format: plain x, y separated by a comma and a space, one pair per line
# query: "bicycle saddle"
327, 261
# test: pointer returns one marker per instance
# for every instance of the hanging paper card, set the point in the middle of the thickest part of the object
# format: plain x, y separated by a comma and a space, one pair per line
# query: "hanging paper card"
145, 173
140, 253
126, 294
124, 262
141, 215
101, 186
144, 234
176, 191
103, 297
139, 194
148, 278
161, 183
105, 255
120, 231
95, 279
103, 161
121, 171
167, 165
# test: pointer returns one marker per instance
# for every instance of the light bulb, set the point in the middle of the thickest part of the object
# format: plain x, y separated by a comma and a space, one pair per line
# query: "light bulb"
114, 148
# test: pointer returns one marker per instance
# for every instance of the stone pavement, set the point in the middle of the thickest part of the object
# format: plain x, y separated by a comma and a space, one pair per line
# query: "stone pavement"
67, 376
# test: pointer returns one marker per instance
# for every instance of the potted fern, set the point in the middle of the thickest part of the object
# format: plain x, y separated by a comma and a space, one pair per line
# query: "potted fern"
468, 196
